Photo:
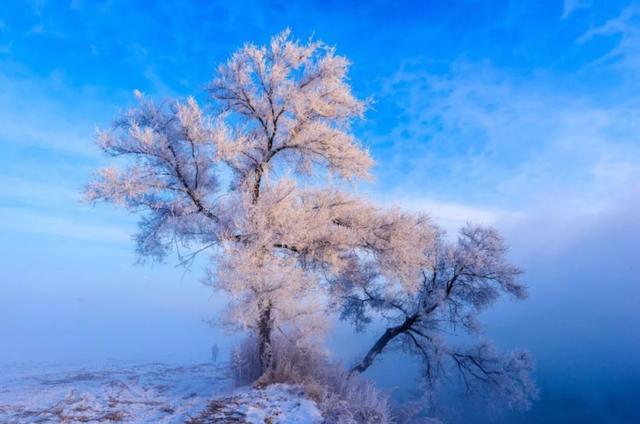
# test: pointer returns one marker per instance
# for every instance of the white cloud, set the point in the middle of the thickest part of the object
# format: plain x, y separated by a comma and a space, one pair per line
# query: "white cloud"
481, 136
557, 225
479, 144
570, 6
38, 192
626, 27
450, 216
49, 114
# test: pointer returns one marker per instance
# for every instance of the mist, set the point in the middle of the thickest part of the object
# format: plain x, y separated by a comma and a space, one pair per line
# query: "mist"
579, 321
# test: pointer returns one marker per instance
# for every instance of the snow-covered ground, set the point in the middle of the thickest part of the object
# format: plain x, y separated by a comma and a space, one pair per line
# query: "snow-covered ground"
278, 403
143, 393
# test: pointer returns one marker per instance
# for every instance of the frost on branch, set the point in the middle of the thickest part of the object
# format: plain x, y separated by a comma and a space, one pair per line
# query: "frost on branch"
459, 281
167, 171
295, 238
286, 110
502, 377
293, 101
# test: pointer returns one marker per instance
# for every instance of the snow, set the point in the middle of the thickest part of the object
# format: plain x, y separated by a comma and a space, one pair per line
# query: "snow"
275, 404
143, 393
128, 392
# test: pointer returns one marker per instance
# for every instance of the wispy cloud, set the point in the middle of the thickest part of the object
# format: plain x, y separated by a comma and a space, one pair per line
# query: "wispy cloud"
47, 113
451, 216
625, 26
570, 6
53, 208
41, 193
480, 135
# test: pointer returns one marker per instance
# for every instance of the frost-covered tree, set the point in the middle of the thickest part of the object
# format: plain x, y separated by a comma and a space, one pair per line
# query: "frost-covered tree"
282, 228
458, 281
259, 185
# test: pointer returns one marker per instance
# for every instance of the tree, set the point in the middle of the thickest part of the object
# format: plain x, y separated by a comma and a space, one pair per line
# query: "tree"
259, 185
458, 281
281, 127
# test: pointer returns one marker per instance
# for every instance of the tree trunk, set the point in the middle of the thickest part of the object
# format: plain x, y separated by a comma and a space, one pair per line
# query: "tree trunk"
382, 342
265, 326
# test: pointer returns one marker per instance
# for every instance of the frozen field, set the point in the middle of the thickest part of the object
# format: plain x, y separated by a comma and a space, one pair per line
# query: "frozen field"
142, 393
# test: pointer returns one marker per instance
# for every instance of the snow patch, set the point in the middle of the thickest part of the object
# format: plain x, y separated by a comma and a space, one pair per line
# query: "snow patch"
275, 404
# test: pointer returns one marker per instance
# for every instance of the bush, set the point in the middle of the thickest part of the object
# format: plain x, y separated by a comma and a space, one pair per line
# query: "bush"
341, 397
352, 399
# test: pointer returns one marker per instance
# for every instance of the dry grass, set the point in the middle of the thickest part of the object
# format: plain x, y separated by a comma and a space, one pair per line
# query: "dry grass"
342, 398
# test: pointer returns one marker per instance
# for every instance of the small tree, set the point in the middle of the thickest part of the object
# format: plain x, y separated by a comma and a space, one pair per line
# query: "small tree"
458, 281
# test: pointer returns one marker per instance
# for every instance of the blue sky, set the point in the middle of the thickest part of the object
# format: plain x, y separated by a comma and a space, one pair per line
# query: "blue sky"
523, 115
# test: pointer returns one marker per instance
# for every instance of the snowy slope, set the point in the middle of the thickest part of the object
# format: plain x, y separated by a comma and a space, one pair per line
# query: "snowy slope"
142, 393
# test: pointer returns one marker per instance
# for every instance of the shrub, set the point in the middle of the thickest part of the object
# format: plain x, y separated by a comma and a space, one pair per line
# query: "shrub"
343, 398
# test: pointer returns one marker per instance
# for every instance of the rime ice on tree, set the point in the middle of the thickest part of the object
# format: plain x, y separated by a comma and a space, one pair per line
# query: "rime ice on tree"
286, 241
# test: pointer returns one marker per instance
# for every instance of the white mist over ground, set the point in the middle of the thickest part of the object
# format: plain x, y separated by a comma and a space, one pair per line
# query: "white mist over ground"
62, 305
78, 309
581, 266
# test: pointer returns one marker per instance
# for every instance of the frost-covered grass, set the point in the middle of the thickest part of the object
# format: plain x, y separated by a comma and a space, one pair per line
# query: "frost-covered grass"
342, 397
143, 393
